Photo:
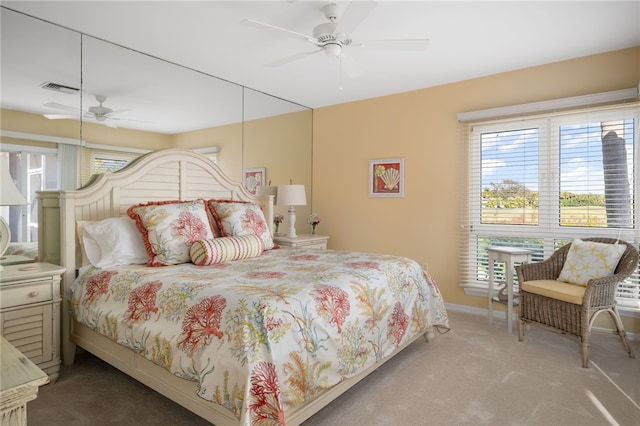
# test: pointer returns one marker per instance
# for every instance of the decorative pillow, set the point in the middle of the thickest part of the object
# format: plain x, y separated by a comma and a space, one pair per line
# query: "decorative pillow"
113, 241
236, 218
226, 249
588, 259
169, 228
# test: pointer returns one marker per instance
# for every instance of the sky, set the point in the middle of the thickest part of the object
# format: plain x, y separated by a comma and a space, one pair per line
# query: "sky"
514, 155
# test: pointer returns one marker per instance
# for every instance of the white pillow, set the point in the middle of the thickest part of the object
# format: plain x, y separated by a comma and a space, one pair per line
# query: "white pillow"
588, 259
80, 224
114, 241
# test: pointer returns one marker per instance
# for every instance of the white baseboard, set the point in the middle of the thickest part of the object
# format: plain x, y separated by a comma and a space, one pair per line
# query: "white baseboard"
502, 315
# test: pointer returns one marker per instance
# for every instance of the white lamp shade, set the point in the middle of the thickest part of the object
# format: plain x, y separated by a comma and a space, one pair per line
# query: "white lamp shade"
268, 190
9, 194
291, 195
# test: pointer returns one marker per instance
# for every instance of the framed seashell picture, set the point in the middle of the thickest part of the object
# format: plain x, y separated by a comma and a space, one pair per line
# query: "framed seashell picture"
386, 177
254, 178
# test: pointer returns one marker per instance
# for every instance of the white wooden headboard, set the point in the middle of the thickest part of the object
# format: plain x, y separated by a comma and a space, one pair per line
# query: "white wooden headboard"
172, 174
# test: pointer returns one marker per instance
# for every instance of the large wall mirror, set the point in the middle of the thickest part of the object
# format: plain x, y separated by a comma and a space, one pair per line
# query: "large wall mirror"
153, 104
278, 138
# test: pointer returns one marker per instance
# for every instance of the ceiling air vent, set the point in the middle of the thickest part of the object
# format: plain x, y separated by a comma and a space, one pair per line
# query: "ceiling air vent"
59, 88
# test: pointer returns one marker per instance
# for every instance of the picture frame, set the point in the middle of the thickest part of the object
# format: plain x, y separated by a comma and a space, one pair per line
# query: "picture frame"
386, 177
254, 177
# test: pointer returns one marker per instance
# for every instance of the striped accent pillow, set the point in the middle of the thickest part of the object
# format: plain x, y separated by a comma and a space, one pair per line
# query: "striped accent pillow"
226, 249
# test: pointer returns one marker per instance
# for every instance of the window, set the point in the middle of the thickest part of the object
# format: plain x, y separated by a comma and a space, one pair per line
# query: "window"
537, 182
101, 161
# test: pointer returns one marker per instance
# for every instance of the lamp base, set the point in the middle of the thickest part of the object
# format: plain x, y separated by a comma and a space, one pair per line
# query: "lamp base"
292, 223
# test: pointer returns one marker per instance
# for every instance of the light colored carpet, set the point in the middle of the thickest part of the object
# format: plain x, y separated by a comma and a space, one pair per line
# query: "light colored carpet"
475, 374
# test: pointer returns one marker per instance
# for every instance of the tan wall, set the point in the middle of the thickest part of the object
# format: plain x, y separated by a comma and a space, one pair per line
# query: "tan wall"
24, 122
103, 135
421, 126
227, 138
282, 145
17, 121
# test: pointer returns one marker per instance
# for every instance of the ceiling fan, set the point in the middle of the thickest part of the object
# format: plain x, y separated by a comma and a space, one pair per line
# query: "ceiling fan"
99, 112
334, 38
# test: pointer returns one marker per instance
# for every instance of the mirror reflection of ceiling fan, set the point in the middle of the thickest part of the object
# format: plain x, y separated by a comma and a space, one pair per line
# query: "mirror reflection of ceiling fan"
100, 113
334, 38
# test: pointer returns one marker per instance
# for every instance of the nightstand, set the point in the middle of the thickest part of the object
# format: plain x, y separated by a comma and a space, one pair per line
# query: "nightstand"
19, 382
30, 312
15, 259
303, 241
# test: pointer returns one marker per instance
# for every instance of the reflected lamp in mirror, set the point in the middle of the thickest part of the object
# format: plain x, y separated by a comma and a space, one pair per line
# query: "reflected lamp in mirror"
291, 195
9, 196
268, 190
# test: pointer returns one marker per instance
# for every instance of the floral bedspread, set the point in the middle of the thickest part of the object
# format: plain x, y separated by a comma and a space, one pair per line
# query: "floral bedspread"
27, 249
263, 334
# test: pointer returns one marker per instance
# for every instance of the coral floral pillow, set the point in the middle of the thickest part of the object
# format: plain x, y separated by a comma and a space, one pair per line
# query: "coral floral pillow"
169, 228
236, 218
587, 260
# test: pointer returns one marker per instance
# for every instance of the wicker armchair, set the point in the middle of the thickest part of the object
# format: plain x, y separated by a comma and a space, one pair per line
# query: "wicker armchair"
571, 318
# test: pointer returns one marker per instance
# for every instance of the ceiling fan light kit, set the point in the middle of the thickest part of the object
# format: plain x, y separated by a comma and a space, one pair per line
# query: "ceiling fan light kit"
333, 49
100, 112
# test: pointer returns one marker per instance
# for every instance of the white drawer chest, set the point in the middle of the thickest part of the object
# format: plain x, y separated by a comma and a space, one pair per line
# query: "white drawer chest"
303, 240
30, 312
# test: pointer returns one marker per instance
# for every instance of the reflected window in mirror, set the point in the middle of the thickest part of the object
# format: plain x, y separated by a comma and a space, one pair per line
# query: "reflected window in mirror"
101, 161
32, 170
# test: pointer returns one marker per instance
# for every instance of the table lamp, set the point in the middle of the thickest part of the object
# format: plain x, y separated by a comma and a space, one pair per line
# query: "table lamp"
9, 196
291, 195
268, 190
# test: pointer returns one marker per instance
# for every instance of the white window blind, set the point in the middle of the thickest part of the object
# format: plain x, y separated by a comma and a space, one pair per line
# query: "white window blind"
106, 161
539, 181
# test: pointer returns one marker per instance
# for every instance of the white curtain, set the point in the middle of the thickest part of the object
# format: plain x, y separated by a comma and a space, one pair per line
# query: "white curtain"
69, 161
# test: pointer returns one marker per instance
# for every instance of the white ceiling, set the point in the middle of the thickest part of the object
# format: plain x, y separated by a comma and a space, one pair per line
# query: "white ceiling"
467, 39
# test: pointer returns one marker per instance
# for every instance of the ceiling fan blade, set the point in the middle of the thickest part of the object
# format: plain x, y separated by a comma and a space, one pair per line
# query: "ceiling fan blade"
61, 116
291, 58
400, 44
110, 118
61, 106
354, 14
118, 111
110, 123
281, 31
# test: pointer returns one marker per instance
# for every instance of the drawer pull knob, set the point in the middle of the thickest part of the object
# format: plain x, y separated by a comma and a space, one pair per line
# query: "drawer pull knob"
34, 294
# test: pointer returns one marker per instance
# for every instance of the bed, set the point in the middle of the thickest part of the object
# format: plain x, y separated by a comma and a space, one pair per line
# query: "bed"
270, 337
